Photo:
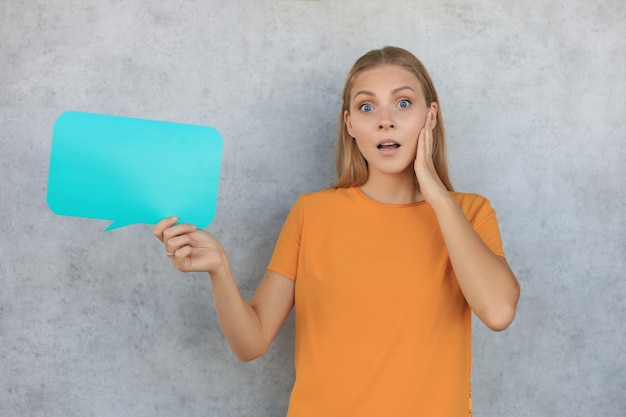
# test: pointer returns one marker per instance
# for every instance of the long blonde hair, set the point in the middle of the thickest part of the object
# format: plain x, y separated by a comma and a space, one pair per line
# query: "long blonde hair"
352, 168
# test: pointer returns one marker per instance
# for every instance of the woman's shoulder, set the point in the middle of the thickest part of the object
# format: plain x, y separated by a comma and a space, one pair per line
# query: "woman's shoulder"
326, 199
468, 198
329, 194
473, 205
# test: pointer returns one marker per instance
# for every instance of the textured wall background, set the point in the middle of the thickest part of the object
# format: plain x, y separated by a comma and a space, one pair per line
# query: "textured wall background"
100, 324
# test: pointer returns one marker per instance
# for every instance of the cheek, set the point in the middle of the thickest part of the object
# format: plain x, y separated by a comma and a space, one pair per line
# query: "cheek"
356, 125
367, 152
413, 147
359, 147
417, 126
413, 136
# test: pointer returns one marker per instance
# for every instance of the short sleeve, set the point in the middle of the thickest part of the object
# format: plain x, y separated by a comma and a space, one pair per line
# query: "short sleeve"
287, 250
483, 218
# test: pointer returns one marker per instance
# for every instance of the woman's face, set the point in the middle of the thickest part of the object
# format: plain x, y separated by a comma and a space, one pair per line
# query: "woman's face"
387, 110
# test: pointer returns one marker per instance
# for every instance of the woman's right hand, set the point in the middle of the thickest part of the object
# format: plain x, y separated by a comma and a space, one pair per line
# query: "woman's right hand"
249, 327
190, 249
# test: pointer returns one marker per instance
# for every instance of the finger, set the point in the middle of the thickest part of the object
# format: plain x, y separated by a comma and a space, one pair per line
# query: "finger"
163, 224
428, 135
174, 244
182, 259
183, 252
177, 230
420, 139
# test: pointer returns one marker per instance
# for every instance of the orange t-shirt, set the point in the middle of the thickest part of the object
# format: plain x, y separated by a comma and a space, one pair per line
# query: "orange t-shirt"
382, 328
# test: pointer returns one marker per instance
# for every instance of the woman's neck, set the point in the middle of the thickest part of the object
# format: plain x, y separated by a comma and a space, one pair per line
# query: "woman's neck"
392, 189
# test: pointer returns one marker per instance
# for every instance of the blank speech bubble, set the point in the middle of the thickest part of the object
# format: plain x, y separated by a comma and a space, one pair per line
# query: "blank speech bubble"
133, 170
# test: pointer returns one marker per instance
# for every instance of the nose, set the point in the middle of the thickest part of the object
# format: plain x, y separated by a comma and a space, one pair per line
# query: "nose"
386, 124
385, 121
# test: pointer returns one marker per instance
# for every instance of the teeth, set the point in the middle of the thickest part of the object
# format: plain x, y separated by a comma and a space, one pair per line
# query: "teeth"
386, 144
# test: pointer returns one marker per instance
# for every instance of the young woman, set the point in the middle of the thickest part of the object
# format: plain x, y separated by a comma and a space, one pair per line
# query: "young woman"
384, 268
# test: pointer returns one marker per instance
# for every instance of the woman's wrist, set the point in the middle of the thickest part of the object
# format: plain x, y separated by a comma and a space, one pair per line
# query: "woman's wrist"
441, 200
221, 269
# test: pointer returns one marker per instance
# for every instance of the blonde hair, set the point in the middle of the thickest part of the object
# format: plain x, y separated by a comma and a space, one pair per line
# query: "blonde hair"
352, 168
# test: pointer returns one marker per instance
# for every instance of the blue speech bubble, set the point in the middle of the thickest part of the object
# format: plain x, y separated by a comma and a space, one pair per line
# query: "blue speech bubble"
133, 170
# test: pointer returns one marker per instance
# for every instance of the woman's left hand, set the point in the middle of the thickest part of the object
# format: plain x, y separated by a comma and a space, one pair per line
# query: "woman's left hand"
430, 184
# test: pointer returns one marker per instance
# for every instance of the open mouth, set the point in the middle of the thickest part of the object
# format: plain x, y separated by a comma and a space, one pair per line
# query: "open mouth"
390, 145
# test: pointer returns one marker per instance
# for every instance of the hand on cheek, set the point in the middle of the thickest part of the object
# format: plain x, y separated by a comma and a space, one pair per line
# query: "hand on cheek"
429, 182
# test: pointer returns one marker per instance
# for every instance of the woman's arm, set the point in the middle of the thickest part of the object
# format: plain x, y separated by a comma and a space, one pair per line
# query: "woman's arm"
487, 282
248, 327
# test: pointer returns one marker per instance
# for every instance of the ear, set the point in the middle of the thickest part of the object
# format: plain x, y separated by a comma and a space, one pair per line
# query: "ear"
434, 108
346, 119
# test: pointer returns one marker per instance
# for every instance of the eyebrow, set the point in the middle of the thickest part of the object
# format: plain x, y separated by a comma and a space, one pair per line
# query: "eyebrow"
394, 91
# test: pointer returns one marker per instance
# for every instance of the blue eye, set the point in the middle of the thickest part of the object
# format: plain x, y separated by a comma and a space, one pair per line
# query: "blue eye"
403, 104
366, 107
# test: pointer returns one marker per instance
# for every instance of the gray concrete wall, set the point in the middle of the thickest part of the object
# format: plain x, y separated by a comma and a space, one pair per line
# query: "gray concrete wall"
100, 324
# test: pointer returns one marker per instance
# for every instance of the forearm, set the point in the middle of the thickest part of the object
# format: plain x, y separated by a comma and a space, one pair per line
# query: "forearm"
487, 282
239, 321
248, 327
